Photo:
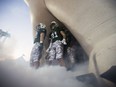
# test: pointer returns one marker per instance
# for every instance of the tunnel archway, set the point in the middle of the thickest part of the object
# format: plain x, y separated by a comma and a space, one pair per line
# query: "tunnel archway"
91, 22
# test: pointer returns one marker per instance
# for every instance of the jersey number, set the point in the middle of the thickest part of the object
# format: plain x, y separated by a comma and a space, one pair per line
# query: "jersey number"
54, 35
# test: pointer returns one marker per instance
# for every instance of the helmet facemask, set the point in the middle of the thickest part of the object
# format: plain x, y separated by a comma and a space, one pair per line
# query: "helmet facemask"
53, 25
40, 26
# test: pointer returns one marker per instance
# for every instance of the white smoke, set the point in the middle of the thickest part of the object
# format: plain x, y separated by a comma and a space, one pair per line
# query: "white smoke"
14, 75
7, 48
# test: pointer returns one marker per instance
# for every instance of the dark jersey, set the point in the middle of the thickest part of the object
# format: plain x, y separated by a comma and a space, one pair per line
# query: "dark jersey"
37, 38
55, 34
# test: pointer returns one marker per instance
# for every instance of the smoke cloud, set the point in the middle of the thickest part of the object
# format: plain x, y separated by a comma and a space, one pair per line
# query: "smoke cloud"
18, 73
13, 74
7, 48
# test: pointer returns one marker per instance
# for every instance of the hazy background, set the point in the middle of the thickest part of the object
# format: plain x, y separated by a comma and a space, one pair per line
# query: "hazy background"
15, 18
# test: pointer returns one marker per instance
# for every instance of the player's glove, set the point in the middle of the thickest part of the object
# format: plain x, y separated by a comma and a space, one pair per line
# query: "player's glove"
64, 41
50, 45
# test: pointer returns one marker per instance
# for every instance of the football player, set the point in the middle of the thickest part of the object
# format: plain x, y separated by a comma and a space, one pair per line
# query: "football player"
36, 52
58, 40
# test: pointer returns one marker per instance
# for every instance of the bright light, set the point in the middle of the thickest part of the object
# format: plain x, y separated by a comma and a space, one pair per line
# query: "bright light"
16, 20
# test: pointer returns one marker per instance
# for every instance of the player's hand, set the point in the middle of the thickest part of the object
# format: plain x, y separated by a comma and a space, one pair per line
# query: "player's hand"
48, 50
64, 41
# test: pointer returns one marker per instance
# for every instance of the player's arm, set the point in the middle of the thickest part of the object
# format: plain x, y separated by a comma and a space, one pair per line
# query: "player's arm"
63, 34
42, 35
64, 37
50, 44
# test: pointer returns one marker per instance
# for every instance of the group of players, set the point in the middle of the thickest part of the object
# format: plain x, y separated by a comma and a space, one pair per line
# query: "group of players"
55, 49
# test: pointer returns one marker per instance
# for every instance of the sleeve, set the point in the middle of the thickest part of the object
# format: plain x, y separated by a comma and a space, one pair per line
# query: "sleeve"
43, 31
61, 29
50, 35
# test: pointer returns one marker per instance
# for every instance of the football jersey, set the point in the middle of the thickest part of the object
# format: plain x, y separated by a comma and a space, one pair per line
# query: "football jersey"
37, 38
55, 34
